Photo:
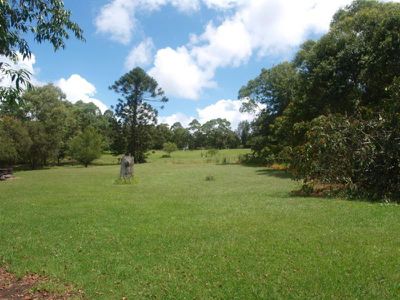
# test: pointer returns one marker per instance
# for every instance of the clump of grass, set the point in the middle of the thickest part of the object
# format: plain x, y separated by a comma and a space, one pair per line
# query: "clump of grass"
121, 181
210, 178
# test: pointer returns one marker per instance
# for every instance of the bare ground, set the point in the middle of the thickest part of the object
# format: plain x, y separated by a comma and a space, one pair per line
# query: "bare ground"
27, 288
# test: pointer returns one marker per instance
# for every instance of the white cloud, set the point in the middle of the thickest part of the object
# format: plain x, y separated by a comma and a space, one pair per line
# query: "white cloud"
224, 109
223, 4
78, 88
178, 74
259, 26
178, 117
141, 55
227, 44
117, 20
246, 28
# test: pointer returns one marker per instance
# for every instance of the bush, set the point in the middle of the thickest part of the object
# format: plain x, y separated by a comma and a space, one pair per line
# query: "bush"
211, 152
169, 148
361, 155
210, 178
86, 146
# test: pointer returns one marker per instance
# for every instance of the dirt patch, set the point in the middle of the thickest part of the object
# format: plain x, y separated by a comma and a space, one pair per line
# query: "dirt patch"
320, 190
29, 288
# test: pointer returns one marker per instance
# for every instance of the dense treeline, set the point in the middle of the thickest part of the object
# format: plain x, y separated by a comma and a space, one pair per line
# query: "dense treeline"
42, 128
45, 128
333, 113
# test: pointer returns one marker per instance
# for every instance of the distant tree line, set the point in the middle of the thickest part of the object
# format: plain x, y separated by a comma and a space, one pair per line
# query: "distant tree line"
44, 128
215, 133
333, 112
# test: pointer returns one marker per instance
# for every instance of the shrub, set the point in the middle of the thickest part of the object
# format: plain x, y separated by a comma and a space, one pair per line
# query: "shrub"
169, 148
361, 155
211, 152
210, 178
86, 146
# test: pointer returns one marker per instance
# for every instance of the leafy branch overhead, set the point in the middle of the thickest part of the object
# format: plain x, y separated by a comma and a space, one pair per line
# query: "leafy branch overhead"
46, 20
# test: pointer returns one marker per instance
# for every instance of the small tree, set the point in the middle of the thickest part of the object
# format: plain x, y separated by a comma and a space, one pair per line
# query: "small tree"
169, 148
86, 146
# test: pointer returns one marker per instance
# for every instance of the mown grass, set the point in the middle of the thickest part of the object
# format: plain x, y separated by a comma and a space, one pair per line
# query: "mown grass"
175, 235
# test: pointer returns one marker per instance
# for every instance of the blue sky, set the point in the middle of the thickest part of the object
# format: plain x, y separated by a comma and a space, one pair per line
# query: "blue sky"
200, 51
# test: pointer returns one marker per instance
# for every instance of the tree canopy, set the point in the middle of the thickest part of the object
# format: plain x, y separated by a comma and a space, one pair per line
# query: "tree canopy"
336, 101
44, 20
135, 114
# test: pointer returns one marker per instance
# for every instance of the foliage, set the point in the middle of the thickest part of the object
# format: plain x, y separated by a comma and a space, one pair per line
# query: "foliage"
169, 148
135, 115
362, 155
45, 20
160, 135
180, 136
50, 123
211, 152
46, 114
244, 133
218, 134
315, 104
87, 146
14, 141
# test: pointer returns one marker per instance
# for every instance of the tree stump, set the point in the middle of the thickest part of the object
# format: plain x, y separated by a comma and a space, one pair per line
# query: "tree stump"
6, 174
126, 172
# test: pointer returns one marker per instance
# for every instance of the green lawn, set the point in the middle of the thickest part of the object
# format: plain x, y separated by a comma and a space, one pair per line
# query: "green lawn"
173, 234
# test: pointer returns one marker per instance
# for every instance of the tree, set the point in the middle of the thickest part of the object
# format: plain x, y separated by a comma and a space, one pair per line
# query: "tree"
219, 135
134, 112
86, 146
160, 135
243, 132
46, 112
14, 141
169, 148
333, 113
180, 135
276, 88
46, 20
197, 139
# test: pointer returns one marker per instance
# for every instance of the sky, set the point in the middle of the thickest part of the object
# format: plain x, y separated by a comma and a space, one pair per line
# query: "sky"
201, 52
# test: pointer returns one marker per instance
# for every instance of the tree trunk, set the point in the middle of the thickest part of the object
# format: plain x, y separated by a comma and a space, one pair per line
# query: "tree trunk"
126, 171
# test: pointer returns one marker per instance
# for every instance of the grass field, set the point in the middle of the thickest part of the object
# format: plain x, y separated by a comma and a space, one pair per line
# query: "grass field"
174, 235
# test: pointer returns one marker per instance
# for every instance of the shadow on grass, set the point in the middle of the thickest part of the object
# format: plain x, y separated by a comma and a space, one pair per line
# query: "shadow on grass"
275, 173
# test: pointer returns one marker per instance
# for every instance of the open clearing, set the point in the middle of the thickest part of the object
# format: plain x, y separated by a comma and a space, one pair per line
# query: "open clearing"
173, 234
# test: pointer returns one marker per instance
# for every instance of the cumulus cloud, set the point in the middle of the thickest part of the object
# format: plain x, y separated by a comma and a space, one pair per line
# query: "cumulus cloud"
178, 117
78, 88
224, 109
141, 55
179, 74
117, 18
244, 28
259, 27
